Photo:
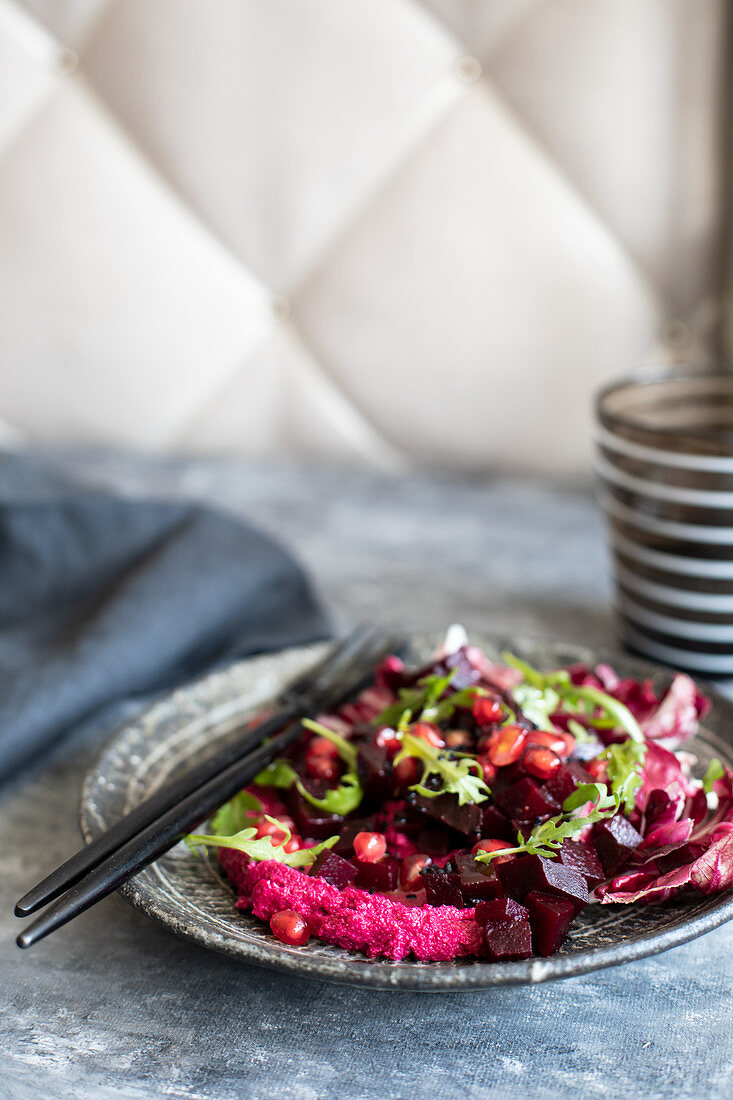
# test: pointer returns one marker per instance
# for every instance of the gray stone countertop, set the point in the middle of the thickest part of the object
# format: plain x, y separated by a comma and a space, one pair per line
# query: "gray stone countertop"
115, 1006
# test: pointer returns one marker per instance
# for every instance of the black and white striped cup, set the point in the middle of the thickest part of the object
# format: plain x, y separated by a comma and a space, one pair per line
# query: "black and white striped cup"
664, 461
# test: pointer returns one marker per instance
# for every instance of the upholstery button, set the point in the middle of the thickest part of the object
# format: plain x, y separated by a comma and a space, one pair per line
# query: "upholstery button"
65, 62
468, 69
280, 307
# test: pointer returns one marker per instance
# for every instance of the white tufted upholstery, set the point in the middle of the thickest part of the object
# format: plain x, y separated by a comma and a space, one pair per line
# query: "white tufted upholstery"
369, 230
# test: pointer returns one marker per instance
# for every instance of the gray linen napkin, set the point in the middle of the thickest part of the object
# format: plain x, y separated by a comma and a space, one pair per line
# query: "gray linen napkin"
102, 598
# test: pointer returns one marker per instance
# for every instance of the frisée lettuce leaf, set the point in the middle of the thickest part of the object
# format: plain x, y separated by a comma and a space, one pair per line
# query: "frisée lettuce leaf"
584, 698
261, 848
459, 774
342, 799
235, 814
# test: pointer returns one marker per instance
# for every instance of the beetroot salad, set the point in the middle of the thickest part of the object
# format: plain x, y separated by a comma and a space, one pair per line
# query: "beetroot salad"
469, 808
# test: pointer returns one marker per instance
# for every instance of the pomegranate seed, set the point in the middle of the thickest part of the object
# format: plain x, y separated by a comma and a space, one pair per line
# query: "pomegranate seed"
292, 845
429, 733
321, 746
322, 767
407, 772
598, 769
487, 768
289, 927
547, 739
389, 739
370, 847
387, 669
273, 829
487, 711
507, 745
569, 744
492, 846
557, 741
457, 739
410, 880
541, 762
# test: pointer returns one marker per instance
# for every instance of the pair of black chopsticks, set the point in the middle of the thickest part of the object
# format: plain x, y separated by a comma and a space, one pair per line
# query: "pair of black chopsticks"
164, 818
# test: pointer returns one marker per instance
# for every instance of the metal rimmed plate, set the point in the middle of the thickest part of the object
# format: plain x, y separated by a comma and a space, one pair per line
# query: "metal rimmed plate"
188, 894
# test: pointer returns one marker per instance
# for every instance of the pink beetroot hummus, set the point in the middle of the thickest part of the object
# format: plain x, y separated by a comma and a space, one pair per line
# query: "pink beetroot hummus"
352, 918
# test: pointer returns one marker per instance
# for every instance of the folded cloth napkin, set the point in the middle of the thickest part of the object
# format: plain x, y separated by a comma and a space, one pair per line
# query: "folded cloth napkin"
103, 597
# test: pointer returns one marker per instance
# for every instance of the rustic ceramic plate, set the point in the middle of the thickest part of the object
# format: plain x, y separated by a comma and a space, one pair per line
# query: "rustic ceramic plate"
188, 894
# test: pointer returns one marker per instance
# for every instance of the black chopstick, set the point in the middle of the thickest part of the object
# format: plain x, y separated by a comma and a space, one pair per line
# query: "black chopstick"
156, 838
302, 695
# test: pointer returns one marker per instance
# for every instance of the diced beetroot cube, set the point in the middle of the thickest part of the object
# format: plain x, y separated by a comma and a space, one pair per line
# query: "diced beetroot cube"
486, 890
550, 918
508, 940
580, 857
378, 878
374, 771
407, 821
442, 888
445, 809
333, 868
495, 824
512, 773
565, 779
614, 841
501, 909
502, 781
526, 800
520, 876
311, 822
433, 841
345, 844
477, 881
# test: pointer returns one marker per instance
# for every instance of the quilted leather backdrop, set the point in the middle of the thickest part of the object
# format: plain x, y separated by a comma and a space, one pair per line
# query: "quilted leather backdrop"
372, 230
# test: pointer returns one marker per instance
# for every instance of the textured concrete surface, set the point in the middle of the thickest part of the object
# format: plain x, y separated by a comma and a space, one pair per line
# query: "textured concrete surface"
113, 1006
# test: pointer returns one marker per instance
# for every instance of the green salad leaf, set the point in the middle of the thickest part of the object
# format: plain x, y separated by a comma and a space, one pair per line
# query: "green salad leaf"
532, 676
443, 709
546, 839
261, 848
341, 799
715, 771
346, 750
412, 701
624, 762
459, 773
620, 715
234, 815
536, 704
423, 703
581, 734
585, 699
597, 793
278, 774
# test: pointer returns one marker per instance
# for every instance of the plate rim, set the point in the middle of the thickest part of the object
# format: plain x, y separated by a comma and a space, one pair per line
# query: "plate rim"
411, 976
